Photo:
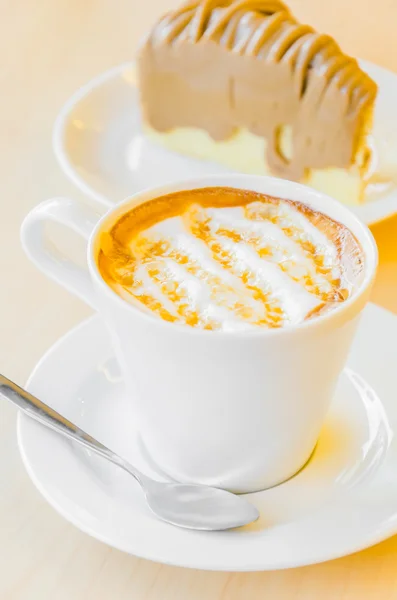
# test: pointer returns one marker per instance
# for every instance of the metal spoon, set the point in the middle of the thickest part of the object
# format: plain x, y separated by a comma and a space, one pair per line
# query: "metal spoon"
185, 505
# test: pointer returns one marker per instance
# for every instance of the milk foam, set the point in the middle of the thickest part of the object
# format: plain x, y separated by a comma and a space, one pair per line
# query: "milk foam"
236, 268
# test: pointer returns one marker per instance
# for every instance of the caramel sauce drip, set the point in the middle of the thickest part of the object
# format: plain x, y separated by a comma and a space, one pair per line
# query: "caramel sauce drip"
221, 65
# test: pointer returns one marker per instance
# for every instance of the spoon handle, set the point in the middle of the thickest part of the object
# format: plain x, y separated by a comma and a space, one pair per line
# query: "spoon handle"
36, 409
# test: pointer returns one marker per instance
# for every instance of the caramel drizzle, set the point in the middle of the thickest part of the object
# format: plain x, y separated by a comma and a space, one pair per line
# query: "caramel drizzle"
175, 291
155, 306
177, 294
324, 286
149, 254
274, 313
260, 211
252, 300
286, 264
271, 21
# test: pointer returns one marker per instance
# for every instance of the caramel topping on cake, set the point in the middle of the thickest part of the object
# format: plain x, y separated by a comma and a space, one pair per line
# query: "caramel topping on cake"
225, 65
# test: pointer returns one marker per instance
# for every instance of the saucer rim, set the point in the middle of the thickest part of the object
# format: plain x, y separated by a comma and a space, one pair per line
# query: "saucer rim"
60, 127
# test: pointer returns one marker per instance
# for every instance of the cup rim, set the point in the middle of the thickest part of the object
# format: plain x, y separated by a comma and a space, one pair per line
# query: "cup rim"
282, 186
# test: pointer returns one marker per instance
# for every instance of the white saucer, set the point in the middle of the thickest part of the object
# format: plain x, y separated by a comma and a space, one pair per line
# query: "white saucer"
99, 144
344, 500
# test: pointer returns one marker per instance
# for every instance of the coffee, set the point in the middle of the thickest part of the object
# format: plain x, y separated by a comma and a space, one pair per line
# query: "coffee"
227, 259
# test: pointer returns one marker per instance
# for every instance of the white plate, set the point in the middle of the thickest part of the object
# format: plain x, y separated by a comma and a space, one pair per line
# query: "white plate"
99, 144
345, 499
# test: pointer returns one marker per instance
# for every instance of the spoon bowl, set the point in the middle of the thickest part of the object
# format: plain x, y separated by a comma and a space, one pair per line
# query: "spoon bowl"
199, 507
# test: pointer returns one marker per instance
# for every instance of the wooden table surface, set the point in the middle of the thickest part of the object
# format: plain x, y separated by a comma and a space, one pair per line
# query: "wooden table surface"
49, 48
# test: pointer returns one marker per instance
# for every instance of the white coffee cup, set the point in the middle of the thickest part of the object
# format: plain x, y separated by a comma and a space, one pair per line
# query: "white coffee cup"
237, 410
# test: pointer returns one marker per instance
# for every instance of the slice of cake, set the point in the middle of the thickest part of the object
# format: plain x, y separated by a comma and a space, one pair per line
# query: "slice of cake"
242, 83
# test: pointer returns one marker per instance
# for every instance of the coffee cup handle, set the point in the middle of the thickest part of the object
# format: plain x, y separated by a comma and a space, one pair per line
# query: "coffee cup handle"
52, 262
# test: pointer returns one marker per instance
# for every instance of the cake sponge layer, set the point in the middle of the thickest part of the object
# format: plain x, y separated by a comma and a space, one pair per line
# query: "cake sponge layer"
246, 152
